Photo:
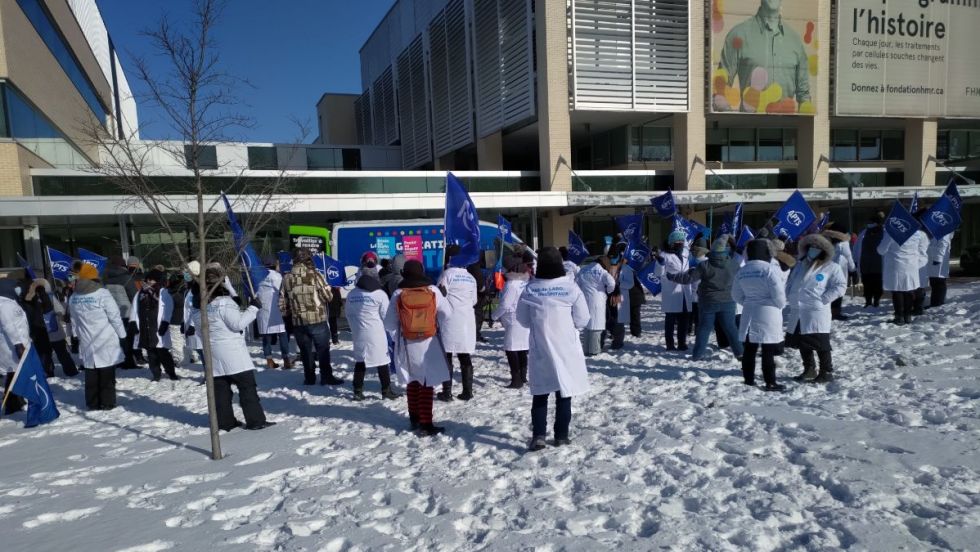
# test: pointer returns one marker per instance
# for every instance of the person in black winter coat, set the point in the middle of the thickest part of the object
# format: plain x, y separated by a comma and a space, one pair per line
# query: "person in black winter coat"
121, 284
36, 304
870, 261
476, 270
333, 313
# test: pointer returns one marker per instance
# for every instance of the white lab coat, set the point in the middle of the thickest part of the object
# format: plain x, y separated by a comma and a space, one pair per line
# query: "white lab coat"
809, 294
516, 335
99, 327
165, 311
571, 269
365, 311
900, 264
759, 288
844, 258
458, 326
227, 326
556, 311
421, 360
15, 330
625, 285
596, 284
270, 317
674, 296
192, 319
939, 256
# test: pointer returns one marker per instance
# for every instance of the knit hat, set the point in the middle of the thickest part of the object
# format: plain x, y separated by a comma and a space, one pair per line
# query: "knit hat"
214, 274
156, 275
117, 260
369, 257
549, 264
758, 250
720, 245
194, 268
88, 272
413, 275
133, 261
676, 236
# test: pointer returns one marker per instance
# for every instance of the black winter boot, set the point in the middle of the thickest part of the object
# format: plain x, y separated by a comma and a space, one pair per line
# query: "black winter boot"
429, 430
384, 376
446, 395
514, 363
523, 356
359, 371
327, 377
413, 420
466, 369
809, 366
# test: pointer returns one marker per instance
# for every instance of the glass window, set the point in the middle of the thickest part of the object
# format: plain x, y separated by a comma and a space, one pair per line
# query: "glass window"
636, 137
942, 145
770, 144
25, 121
207, 157
958, 144
844, 145
617, 147
323, 159
974, 150
893, 145
717, 142
870, 149
741, 144
655, 145
262, 158
600, 151
49, 33
789, 144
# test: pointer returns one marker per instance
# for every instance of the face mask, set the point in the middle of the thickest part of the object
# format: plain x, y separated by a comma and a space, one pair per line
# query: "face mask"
813, 253
187, 277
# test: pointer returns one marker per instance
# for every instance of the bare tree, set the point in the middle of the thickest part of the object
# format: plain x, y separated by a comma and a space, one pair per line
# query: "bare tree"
200, 103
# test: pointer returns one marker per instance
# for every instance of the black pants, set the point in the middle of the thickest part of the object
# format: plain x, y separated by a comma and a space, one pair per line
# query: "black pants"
768, 362
517, 361
129, 362
478, 314
100, 388
918, 301
539, 415
937, 296
872, 289
42, 344
64, 358
334, 330
248, 398
618, 335
680, 321
636, 328
466, 370
904, 302
360, 371
158, 356
835, 307
14, 402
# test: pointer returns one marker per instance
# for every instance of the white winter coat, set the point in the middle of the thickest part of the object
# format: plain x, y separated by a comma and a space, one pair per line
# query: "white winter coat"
516, 335
809, 294
421, 360
673, 295
365, 311
13, 326
758, 287
939, 256
270, 317
99, 327
844, 258
571, 269
596, 284
165, 311
227, 326
192, 319
556, 311
900, 264
626, 281
458, 325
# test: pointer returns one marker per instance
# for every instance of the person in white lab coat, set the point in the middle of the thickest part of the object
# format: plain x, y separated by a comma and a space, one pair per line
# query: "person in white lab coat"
149, 318
814, 283
420, 363
99, 328
516, 335
900, 265
596, 284
939, 269
627, 279
571, 269
556, 311
843, 257
759, 287
192, 311
270, 320
232, 362
367, 305
676, 299
457, 328
15, 336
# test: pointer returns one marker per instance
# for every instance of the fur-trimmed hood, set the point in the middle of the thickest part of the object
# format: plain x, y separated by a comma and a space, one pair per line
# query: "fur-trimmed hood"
816, 240
835, 235
786, 259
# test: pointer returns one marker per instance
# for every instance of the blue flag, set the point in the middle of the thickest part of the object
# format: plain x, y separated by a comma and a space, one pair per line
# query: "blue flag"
914, 206
97, 261
637, 254
285, 262
745, 237
824, 221
954, 195
649, 279
900, 224
27, 267
462, 223
942, 218
246, 253
691, 228
331, 269
30, 384
505, 229
793, 218
737, 220
577, 252
631, 226
665, 205
60, 264
727, 225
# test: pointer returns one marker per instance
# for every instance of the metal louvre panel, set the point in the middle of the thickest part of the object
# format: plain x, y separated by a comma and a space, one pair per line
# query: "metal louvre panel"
438, 64
504, 68
377, 114
362, 117
412, 106
486, 39
630, 55
390, 113
452, 120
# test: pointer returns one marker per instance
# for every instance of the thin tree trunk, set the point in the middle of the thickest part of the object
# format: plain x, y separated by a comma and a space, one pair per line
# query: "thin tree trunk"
206, 327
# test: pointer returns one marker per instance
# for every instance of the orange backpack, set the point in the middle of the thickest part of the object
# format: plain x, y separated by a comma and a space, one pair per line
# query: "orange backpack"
417, 313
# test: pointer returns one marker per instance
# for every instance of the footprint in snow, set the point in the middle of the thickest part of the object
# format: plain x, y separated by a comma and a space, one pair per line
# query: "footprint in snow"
256, 459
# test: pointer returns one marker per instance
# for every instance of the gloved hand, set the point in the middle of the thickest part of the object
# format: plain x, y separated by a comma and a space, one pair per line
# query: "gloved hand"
255, 302
164, 326
190, 331
133, 328
935, 263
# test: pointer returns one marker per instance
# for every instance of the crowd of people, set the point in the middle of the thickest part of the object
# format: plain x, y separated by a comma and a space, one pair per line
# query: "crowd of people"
759, 298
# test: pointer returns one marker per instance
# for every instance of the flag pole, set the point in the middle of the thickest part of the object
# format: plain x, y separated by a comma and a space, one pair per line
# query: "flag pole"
20, 364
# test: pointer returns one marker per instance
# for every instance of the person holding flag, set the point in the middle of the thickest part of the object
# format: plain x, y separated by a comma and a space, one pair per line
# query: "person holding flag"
100, 330
15, 336
149, 320
904, 250
938, 252
844, 259
270, 319
306, 297
868, 260
677, 298
571, 267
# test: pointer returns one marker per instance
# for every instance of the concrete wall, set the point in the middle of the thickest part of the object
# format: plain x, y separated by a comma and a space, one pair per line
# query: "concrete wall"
15, 165
335, 119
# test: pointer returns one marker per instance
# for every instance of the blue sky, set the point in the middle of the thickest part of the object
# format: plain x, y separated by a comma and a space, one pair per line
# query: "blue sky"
291, 51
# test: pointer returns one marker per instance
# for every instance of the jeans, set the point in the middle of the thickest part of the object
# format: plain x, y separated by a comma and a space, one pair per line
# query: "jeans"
309, 338
708, 314
283, 340
539, 415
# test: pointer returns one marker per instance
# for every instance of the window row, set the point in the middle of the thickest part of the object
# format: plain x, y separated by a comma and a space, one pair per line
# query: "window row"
263, 158
867, 145
751, 144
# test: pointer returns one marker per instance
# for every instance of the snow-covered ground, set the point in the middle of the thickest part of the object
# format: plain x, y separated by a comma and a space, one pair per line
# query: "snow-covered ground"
667, 453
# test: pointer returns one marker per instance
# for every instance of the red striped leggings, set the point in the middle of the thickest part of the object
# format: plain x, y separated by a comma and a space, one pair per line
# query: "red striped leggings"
420, 402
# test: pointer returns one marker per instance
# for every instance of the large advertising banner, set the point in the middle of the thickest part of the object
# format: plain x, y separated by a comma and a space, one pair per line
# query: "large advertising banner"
908, 58
764, 56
